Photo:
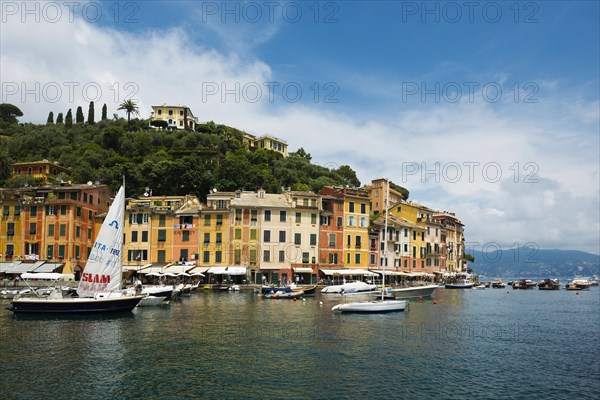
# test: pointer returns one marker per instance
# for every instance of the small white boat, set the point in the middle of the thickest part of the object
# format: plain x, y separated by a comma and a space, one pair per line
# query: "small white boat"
350, 287
234, 288
377, 306
480, 286
150, 301
413, 292
459, 285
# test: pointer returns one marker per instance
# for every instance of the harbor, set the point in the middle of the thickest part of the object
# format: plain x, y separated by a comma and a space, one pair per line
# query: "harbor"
222, 344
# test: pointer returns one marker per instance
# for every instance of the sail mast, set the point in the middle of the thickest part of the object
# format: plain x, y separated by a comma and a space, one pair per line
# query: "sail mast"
385, 242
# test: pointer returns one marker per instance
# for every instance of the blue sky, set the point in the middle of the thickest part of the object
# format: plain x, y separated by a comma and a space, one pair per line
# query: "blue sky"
372, 63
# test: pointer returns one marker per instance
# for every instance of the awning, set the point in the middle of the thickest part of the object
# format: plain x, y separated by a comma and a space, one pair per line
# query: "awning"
198, 271
270, 268
217, 270
347, 272
303, 270
5, 266
178, 268
236, 270
24, 267
152, 270
388, 273
136, 267
49, 267
46, 275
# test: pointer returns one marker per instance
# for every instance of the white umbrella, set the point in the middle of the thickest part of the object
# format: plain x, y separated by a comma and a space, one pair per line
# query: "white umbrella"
183, 274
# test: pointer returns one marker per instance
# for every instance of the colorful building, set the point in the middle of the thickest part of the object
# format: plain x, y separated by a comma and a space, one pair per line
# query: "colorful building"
43, 169
215, 239
331, 229
176, 117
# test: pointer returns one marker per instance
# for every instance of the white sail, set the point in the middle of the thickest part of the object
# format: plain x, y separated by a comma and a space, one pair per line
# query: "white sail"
103, 268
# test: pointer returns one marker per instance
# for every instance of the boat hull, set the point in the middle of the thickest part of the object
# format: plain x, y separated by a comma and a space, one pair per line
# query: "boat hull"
74, 305
458, 285
372, 307
413, 292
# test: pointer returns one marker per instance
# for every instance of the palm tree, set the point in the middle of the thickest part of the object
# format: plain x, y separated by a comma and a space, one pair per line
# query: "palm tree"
130, 107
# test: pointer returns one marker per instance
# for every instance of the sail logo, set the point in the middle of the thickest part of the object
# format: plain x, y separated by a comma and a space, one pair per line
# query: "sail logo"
95, 278
114, 223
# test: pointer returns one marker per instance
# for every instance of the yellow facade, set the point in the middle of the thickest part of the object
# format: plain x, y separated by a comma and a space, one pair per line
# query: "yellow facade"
356, 228
214, 230
177, 117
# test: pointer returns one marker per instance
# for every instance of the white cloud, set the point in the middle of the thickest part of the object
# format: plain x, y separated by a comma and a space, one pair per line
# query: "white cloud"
553, 144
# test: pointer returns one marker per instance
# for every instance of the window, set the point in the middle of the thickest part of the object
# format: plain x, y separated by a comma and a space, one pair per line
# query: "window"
351, 206
422, 235
144, 236
298, 218
90, 215
348, 258
253, 217
32, 228
297, 238
281, 236
206, 256
183, 255
237, 256
51, 210
63, 210
218, 257
332, 239
357, 258
10, 229
33, 211
325, 220
405, 232
162, 220
162, 235
267, 215
428, 231
333, 258
51, 230
358, 241
363, 222
282, 216
436, 232
406, 247
207, 220
349, 240
161, 256
266, 236
134, 236
313, 219
219, 220
339, 221
414, 235
363, 208
50, 252
17, 211
89, 235
253, 234
61, 251
266, 256
372, 259
73, 195
238, 234
351, 220
219, 237
78, 211
207, 238
252, 255
185, 236
313, 239
305, 258
340, 206
77, 231
77, 254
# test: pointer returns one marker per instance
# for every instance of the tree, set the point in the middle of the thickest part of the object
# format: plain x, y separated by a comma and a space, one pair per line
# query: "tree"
5, 163
302, 153
104, 112
9, 113
59, 118
69, 119
50, 118
130, 107
79, 115
348, 175
469, 257
91, 113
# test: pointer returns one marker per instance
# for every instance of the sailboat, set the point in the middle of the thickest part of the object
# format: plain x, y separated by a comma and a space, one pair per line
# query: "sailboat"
99, 289
376, 306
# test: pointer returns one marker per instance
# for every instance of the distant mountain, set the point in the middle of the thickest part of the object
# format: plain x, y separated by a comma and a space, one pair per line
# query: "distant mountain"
535, 263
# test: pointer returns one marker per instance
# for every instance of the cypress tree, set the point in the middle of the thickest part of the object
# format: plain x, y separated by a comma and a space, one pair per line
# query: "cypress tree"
59, 118
104, 112
79, 115
69, 119
50, 118
91, 113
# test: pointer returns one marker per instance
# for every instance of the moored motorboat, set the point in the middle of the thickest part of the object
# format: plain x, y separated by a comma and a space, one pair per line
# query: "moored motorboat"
285, 295
413, 292
578, 284
523, 284
498, 284
350, 287
459, 285
370, 307
549, 284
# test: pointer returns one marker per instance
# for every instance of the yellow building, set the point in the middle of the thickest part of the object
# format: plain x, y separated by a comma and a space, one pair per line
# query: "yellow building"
267, 142
39, 169
356, 227
214, 225
176, 117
